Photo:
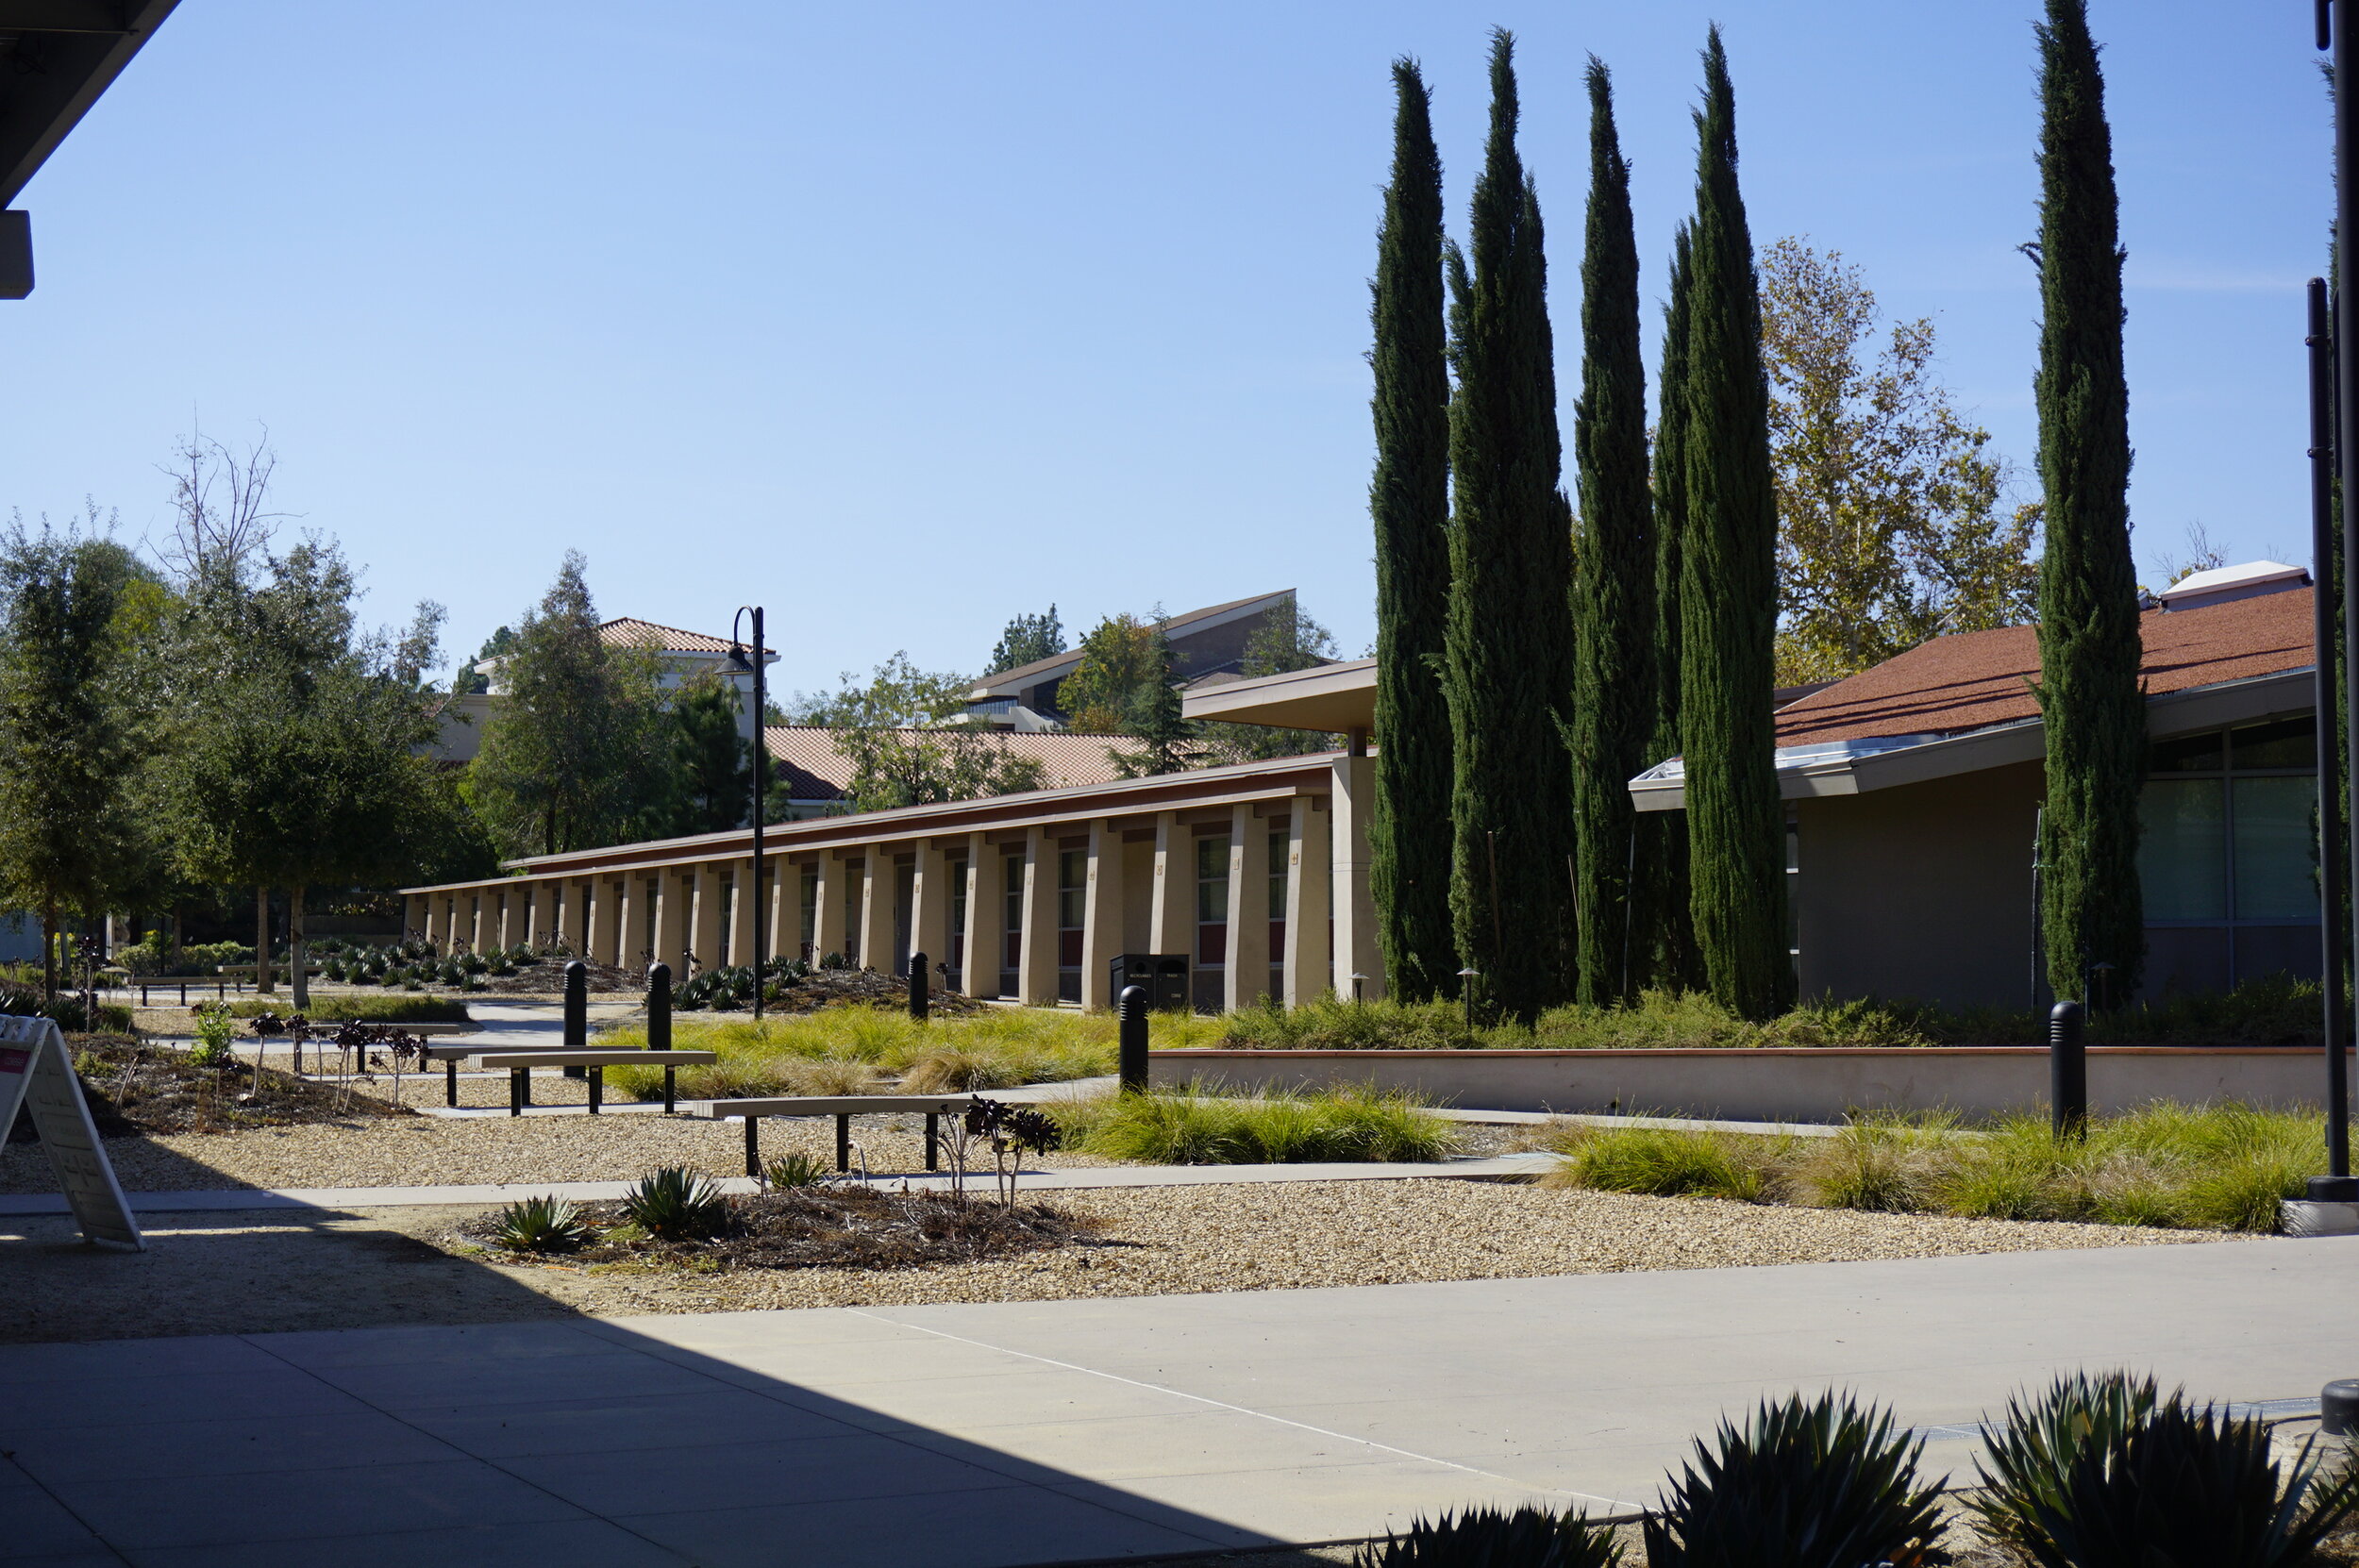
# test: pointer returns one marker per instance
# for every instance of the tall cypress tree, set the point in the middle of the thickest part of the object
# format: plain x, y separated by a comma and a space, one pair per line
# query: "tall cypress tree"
2090, 908
1614, 677
1409, 836
1509, 658
1665, 925
1729, 594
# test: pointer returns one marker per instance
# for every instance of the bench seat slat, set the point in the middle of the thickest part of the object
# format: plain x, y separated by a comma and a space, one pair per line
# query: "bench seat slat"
825, 1104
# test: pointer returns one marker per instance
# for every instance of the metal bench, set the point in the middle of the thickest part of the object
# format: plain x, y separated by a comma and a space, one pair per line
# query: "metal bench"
843, 1107
520, 1064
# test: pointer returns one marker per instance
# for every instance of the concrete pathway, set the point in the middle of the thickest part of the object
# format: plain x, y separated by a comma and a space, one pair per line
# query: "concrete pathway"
1027, 1433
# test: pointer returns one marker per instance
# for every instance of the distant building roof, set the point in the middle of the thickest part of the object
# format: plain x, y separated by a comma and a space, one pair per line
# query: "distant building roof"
1008, 683
628, 632
809, 761
1977, 679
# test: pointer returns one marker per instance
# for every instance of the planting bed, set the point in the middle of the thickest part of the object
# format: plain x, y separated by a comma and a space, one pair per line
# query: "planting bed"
134, 1088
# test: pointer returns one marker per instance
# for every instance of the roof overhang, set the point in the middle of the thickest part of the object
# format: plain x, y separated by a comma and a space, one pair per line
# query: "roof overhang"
1334, 697
1811, 773
58, 56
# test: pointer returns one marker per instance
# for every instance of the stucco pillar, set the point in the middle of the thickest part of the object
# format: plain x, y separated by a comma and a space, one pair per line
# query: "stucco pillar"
1171, 916
826, 922
604, 929
1352, 797
674, 893
1036, 971
1310, 895
1101, 915
704, 931
786, 908
540, 911
502, 903
742, 894
478, 904
413, 913
638, 927
876, 908
986, 917
1245, 979
929, 908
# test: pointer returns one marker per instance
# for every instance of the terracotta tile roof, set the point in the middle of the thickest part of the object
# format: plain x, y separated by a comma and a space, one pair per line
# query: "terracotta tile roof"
806, 757
1977, 679
626, 632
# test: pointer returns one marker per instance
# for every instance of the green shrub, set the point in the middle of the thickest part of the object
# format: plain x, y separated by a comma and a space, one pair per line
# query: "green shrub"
1485, 1538
1188, 1127
2105, 1472
1824, 1484
676, 1204
1665, 1163
547, 1224
950, 1070
1880, 1166
216, 1037
366, 1010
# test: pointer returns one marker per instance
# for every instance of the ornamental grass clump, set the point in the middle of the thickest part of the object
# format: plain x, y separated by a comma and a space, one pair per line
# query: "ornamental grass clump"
1487, 1538
1665, 1163
1816, 1484
676, 1204
1190, 1126
545, 1224
2106, 1472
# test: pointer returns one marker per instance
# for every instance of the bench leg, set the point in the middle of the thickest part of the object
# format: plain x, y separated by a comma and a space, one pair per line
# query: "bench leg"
516, 1091
671, 1088
597, 1089
753, 1147
450, 1083
842, 1143
934, 1141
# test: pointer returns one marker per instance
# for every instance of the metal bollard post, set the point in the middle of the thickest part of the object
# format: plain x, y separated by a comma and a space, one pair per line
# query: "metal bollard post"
2067, 1072
658, 1007
918, 987
577, 1012
1130, 1008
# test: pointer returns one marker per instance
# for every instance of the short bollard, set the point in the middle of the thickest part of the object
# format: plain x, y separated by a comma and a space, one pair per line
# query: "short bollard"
918, 998
2067, 1072
658, 1007
577, 1012
1131, 1010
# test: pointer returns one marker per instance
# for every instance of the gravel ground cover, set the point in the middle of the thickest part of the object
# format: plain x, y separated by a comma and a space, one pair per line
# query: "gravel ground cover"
361, 1267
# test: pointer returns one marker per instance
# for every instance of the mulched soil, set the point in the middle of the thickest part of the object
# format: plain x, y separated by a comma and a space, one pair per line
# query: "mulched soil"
836, 988
133, 1088
547, 979
825, 1227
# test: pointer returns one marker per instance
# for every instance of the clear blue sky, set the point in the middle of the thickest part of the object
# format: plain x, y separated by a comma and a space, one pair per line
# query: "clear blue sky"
902, 318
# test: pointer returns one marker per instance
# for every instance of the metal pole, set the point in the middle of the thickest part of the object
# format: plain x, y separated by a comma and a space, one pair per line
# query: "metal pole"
2345, 423
761, 748
1131, 1009
2068, 1072
2330, 867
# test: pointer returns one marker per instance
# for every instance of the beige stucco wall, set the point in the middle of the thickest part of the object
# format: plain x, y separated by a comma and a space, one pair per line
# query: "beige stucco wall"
1922, 891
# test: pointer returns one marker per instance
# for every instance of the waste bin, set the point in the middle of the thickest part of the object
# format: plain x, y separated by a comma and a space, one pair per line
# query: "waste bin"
1163, 974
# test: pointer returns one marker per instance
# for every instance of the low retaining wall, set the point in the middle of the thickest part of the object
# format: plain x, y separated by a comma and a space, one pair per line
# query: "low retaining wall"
1816, 1084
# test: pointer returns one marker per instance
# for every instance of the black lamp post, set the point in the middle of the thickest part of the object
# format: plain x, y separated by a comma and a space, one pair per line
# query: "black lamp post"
737, 662
2335, 25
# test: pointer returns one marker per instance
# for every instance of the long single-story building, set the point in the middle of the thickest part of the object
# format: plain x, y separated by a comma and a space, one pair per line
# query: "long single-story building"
1914, 791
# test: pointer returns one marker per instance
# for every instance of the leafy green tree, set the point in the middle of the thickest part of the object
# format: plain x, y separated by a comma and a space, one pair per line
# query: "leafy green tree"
712, 765
473, 679
1117, 675
1288, 638
576, 755
71, 839
2091, 911
1661, 890
1409, 836
902, 732
1027, 640
1508, 646
1891, 528
1170, 739
1728, 593
1614, 678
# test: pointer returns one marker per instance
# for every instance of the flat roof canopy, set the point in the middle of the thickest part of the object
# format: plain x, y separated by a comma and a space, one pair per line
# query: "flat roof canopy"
1336, 697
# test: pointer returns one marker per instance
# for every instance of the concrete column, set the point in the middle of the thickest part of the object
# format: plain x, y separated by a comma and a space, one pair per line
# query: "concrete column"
986, 905
929, 908
599, 931
475, 911
1310, 896
540, 920
1246, 977
827, 921
1349, 804
704, 931
433, 924
637, 926
503, 917
1036, 974
1171, 920
413, 915
1101, 915
743, 892
676, 892
876, 909
786, 907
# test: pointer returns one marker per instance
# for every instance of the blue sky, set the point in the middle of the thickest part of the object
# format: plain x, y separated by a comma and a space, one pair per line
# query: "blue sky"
903, 318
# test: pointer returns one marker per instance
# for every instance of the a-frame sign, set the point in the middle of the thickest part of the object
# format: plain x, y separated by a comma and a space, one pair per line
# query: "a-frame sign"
36, 1072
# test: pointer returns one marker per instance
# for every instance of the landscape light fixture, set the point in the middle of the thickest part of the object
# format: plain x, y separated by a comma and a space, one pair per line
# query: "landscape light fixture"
737, 663
1465, 990
1356, 978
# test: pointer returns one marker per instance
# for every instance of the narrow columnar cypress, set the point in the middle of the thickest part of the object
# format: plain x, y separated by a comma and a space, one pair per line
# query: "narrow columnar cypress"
1729, 594
1664, 922
1408, 835
2090, 908
1613, 675
1509, 657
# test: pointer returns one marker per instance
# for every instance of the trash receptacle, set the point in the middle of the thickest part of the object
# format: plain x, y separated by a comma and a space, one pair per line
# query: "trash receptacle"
1164, 976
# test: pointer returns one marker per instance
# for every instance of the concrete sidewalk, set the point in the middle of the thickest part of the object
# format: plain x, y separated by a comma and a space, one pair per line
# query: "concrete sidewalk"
1026, 1433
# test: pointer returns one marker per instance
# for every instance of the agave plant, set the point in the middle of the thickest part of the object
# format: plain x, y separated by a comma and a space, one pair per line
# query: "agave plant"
795, 1169
1485, 1538
1822, 1484
546, 1223
676, 1204
2105, 1472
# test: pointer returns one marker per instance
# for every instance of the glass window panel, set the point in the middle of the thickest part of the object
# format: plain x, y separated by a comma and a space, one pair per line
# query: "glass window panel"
2186, 754
2288, 744
1281, 847
1212, 879
2277, 862
2182, 849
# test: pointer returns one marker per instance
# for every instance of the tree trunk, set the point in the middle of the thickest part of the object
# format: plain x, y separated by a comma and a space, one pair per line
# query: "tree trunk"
299, 972
261, 942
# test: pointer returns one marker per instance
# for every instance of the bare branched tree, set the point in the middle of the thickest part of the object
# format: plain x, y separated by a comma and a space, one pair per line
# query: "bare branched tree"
222, 522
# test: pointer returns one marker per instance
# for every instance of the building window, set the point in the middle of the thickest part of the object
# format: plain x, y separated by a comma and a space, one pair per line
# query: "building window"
1012, 909
956, 871
807, 927
1072, 908
2228, 857
1212, 921
1280, 851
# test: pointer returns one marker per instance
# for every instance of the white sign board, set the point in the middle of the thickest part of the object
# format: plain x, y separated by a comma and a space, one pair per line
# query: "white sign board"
36, 1073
